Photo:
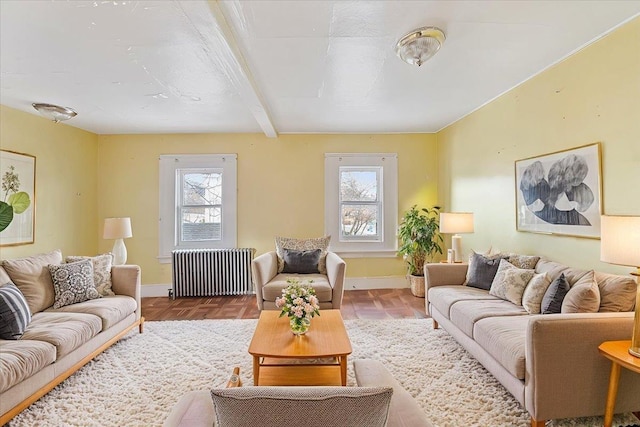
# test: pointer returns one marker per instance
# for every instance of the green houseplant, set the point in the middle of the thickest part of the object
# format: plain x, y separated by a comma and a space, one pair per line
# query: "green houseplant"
420, 240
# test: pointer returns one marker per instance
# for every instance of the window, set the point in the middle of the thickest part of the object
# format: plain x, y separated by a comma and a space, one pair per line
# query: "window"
197, 202
361, 203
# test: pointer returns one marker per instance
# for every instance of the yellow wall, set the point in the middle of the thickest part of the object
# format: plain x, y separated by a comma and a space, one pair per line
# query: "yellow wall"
593, 96
66, 183
280, 187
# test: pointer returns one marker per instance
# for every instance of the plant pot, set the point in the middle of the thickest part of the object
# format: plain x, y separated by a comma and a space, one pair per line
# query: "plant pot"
417, 285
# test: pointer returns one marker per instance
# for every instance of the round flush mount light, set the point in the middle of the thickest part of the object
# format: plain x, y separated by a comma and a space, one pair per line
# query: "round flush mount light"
419, 45
55, 112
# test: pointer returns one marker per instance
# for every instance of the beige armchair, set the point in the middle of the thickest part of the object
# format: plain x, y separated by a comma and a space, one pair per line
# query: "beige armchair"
269, 283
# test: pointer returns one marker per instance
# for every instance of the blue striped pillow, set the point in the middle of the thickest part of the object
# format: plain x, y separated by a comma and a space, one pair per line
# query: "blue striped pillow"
14, 312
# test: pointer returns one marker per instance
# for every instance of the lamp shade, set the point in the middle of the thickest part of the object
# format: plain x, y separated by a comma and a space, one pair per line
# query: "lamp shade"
456, 222
117, 228
620, 240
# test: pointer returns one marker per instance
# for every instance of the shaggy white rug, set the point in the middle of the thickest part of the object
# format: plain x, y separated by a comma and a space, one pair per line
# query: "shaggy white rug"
137, 381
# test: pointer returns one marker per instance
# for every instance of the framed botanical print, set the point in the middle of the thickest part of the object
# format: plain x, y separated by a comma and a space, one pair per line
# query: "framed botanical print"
560, 193
18, 198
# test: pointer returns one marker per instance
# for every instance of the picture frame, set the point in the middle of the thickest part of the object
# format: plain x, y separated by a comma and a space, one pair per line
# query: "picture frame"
17, 198
560, 192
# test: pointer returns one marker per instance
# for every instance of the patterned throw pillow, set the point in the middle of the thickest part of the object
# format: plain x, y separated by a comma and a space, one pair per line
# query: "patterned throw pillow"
73, 283
524, 261
101, 271
321, 243
534, 292
482, 269
510, 282
553, 297
14, 312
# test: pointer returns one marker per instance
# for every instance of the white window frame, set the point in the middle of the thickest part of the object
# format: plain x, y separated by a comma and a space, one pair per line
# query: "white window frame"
169, 200
365, 247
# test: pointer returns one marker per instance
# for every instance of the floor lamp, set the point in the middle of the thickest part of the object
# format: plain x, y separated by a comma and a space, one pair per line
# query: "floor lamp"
620, 244
118, 229
455, 223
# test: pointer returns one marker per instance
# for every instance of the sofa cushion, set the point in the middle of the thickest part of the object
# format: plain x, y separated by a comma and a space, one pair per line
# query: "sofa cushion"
534, 292
73, 283
101, 271
303, 262
319, 283
19, 359
464, 314
311, 244
583, 297
482, 269
31, 275
504, 339
510, 282
617, 293
110, 310
553, 297
443, 297
66, 331
317, 406
14, 312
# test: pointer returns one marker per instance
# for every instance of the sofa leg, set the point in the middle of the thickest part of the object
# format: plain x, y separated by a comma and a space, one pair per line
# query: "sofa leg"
141, 325
537, 423
435, 324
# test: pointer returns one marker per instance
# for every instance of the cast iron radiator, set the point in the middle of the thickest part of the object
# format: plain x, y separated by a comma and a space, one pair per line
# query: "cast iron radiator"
211, 272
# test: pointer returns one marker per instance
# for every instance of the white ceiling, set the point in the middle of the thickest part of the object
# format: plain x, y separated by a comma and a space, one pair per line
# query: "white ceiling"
281, 66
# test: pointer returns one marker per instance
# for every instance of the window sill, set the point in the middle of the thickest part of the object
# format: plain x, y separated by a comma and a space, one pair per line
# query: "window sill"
366, 254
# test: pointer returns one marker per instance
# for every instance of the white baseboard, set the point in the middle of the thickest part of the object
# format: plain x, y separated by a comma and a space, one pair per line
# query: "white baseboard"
352, 283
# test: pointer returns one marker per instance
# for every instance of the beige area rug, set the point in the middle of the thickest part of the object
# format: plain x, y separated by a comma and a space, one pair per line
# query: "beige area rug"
137, 381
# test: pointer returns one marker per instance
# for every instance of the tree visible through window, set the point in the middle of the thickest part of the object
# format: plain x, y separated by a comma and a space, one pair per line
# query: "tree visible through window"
360, 203
201, 205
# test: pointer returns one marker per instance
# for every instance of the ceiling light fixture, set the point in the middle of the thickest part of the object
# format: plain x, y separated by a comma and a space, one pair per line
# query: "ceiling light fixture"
55, 112
419, 45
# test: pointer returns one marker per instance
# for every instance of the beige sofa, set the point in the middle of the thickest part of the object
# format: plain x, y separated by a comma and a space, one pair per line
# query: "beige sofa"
549, 362
196, 409
58, 342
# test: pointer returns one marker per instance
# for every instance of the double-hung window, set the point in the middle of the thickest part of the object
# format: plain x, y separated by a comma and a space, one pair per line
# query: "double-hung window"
361, 203
198, 202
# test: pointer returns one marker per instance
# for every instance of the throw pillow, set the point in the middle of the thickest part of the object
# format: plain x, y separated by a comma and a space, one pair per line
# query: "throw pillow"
320, 406
553, 297
534, 292
583, 297
302, 262
482, 269
524, 261
101, 271
31, 276
73, 283
510, 282
321, 243
14, 312
617, 293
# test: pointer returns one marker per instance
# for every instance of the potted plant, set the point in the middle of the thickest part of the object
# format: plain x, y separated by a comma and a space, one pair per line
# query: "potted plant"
420, 240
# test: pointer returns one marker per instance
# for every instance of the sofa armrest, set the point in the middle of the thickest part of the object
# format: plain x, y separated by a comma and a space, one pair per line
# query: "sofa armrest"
126, 280
565, 374
442, 274
336, 271
404, 410
263, 269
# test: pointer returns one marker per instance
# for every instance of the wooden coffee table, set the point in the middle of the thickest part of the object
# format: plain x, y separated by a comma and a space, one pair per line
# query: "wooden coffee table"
282, 358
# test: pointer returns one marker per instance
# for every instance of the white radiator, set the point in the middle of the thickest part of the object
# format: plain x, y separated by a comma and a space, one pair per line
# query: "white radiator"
211, 272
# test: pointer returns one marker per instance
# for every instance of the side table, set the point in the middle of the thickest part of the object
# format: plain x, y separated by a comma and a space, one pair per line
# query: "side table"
618, 353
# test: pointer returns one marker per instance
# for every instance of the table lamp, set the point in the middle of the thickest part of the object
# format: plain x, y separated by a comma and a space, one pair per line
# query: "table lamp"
620, 244
454, 223
118, 228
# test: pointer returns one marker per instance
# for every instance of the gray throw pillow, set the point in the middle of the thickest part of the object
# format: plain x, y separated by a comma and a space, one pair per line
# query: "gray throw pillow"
301, 262
482, 270
317, 406
553, 297
73, 283
14, 312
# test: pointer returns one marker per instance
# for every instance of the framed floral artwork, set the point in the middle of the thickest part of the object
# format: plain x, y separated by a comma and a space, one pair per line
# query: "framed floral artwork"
560, 193
18, 198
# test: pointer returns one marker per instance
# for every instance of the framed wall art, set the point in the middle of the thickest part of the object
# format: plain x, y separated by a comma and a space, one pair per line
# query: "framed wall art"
18, 198
560, 193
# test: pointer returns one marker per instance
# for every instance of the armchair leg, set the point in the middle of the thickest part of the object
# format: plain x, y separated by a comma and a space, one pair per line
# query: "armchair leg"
435, 324
141, 325
537, 423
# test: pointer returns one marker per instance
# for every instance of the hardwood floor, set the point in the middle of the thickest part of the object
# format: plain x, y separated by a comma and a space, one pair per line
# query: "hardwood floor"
367, 304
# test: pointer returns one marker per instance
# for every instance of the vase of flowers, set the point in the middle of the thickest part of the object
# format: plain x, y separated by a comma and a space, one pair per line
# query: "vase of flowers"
299, 302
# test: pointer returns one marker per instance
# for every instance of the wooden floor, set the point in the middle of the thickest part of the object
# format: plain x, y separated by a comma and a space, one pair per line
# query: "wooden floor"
369, 304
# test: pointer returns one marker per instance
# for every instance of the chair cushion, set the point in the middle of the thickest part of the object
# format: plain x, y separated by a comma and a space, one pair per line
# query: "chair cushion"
319, 283
19, 359
110, 309
443, 297
317, 406
66, 331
